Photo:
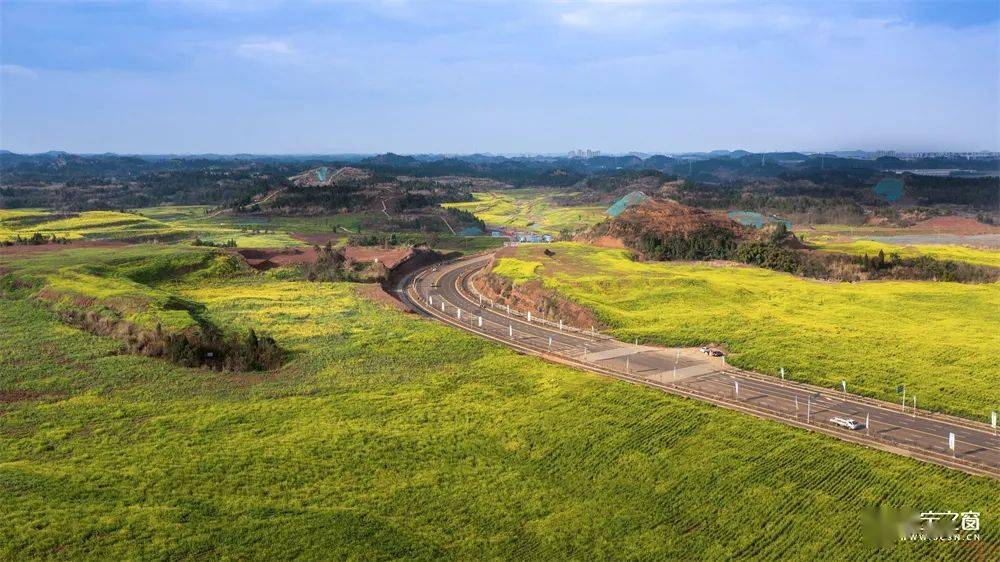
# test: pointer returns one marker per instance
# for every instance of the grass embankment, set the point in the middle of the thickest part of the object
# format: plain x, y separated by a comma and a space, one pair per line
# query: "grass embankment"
121, 294
389, 436
937, 338
531, 209
123, 282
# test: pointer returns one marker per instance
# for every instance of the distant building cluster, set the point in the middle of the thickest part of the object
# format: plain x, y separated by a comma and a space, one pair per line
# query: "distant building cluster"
981, 155
516, 237
584, 153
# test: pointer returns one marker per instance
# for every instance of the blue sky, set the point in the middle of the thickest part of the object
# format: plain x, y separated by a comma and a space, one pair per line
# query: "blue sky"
230, 76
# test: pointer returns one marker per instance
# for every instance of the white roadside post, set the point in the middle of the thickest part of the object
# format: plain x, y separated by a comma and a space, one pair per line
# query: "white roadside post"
550, 343
510, 331
560, 325
867, 416
843, 388
951, 443
904, 397
529, 317
442, 306
782, 374
914, 405
480, 321
993, 422
676, 359
626, 365
431, 299
796, 407
508, 309
637, 343
736, 387
584, 353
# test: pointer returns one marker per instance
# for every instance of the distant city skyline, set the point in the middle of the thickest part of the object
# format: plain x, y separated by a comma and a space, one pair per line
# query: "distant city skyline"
296, 77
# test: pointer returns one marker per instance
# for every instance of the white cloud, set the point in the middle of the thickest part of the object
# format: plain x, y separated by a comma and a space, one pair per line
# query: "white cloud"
266, 50
17, 70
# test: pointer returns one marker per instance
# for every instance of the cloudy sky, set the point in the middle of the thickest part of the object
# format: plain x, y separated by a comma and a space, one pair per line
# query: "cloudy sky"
302, 76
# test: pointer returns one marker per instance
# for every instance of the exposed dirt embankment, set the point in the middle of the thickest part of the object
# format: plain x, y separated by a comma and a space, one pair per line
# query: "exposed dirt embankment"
532, 297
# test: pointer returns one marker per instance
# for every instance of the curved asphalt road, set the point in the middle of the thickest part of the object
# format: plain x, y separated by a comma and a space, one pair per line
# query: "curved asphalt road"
445, 293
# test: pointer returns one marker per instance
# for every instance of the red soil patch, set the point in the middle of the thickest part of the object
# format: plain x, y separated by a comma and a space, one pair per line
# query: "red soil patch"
317, 239
266, 258
376, 293
389, 257
954, 225
11, 396
41, 248
608, 242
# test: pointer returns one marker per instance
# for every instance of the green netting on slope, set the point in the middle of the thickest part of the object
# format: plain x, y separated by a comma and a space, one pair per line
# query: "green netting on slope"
891, 189
625, 202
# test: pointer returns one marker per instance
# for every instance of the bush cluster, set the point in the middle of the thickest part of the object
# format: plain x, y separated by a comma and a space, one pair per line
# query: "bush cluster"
232, 353
36, 239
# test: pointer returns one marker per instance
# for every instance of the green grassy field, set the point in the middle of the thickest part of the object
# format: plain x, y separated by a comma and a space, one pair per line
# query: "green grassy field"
390, 436
530, 209
191, 222
937, 251
937, 338
105, 225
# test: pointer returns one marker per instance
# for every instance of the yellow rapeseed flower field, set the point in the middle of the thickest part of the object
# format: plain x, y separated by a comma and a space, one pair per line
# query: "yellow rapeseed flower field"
937, 338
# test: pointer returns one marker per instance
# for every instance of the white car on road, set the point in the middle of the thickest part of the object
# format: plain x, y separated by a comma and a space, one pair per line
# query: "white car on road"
847, 422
